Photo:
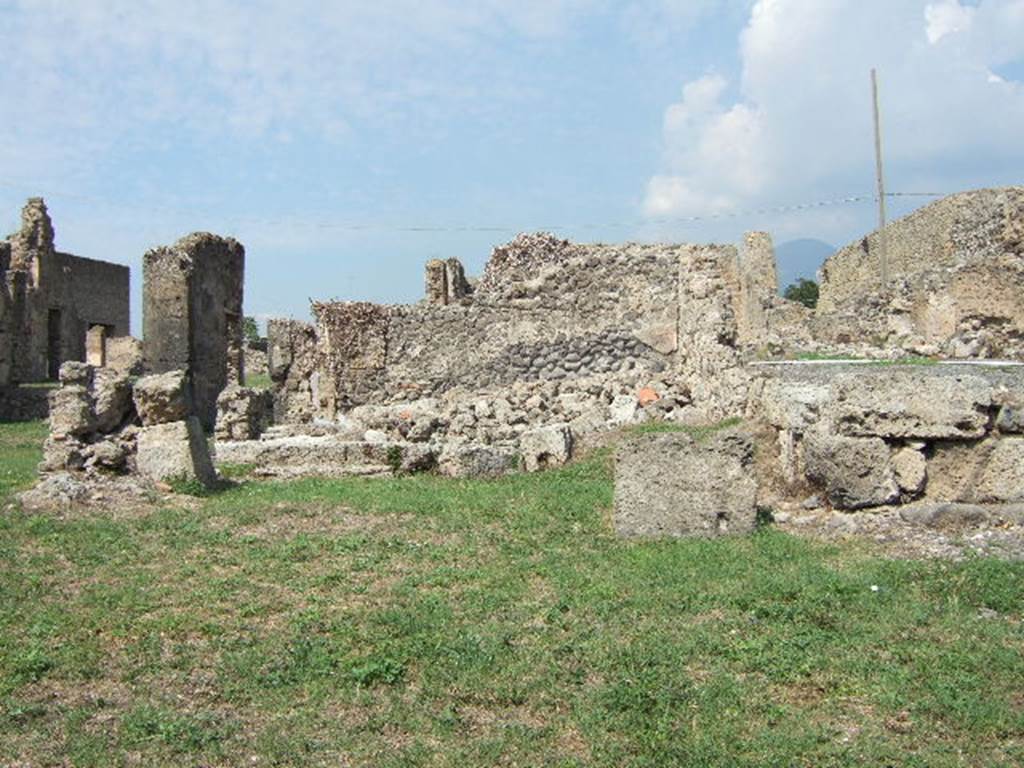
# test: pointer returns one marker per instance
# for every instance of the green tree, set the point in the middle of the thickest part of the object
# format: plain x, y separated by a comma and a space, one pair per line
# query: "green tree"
804, 291
250, 330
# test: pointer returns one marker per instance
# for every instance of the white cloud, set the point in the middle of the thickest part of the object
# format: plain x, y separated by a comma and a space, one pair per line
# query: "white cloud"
797, 124
947, 18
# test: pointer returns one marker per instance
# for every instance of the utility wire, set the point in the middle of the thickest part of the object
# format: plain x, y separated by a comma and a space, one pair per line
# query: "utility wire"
364, 227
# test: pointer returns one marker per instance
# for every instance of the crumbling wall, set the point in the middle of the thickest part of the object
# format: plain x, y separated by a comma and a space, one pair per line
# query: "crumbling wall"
545, 309
192, 315
955, 281
49, 300
292, 365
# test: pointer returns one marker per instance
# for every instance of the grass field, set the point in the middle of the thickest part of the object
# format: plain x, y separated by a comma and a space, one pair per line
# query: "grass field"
422, 621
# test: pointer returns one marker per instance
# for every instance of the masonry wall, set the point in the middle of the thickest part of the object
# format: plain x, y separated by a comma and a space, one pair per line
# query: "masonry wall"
192, 315
955, 281
545, 312
49, 299
99, 291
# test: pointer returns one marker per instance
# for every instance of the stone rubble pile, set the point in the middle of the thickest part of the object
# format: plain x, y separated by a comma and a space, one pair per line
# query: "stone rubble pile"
101, 423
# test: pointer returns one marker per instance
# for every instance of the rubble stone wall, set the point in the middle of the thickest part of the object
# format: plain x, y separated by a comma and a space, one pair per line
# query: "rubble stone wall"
955, 281
50, 299
544, 311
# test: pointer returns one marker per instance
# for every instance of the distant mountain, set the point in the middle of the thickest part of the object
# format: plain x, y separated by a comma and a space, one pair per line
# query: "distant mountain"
800, 258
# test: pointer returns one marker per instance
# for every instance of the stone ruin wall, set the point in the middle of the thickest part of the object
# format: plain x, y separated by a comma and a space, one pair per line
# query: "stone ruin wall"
956, 281
546, 318
54, 307
192, 315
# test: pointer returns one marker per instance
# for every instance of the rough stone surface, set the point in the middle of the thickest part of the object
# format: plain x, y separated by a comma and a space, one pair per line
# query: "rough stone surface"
476, 461
854, 472
112, 392
546, 447
1002, 479
243, 413
175, 450
162, 398
192, 315
71, 411
670, 484
908, 406
911, 470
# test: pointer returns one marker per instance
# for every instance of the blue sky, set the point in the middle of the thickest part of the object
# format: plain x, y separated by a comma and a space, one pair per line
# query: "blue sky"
323, 135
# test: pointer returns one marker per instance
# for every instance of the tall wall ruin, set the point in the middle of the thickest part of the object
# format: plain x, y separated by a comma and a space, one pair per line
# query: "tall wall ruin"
192, 315
50, 301
955, 281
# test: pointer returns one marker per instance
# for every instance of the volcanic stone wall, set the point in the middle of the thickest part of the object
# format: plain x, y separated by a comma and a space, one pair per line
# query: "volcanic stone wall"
544, 311
955, 281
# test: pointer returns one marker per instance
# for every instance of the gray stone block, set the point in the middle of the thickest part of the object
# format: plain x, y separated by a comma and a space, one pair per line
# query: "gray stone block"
670, 484
162, 398
546, 447
908, 406
71, 411
175, 450
855, 472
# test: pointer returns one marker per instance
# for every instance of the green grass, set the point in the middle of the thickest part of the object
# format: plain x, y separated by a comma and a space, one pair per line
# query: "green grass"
20, 454
258, 380
423, 621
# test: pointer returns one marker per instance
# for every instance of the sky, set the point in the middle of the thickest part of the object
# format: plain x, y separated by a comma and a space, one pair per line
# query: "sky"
346, 143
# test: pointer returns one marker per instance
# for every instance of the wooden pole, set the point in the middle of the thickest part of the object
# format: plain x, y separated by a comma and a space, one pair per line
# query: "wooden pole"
883, 255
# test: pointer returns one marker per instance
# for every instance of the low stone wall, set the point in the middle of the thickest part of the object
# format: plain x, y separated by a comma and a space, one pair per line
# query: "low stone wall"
24, 403
861, 436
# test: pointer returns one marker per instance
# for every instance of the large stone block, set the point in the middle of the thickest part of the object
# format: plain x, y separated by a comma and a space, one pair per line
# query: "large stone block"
671, 484
112, 393
473, 460
1002, 479
175, 450
908, 406
546, 447
162, 398
71, 411
855, 472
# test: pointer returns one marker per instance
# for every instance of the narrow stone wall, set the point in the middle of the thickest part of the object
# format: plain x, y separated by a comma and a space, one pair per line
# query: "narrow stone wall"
192, 315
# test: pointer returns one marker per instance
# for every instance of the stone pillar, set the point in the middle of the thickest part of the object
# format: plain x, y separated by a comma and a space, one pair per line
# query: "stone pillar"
192, 315
445, 282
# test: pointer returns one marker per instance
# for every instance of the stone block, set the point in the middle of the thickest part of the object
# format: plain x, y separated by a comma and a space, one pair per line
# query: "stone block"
62, 453
162, 398
71, 411
112, 393
175, 450
855, 472
243, 413
907, 406
1002, 479
546, 447
910, 469
476, 461
793, 405
671, 484
1011, 419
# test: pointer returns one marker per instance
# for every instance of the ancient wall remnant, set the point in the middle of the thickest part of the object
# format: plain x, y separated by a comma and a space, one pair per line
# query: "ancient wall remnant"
955, 281
866, 436
192, 315
446, 282
50, 302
